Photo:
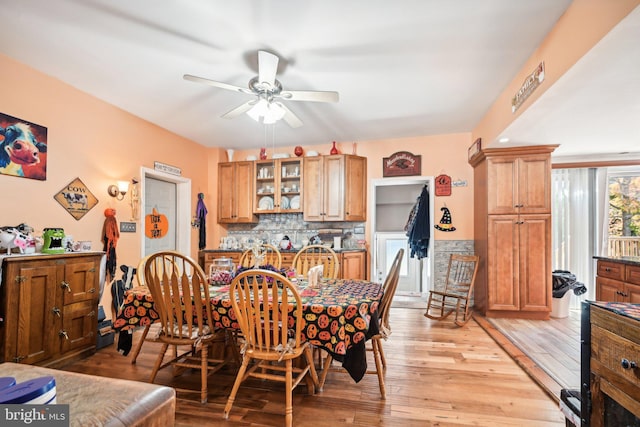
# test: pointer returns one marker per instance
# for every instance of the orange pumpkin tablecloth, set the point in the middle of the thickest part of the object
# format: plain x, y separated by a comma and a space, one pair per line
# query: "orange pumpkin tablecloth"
339, 315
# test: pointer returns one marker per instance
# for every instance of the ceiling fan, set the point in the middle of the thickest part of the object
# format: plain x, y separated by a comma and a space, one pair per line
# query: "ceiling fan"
269, 93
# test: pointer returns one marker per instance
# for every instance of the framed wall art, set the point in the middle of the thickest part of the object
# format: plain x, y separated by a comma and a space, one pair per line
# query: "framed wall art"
23, 148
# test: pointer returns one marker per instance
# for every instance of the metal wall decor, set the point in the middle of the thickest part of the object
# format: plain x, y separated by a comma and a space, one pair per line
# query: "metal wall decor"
76, 198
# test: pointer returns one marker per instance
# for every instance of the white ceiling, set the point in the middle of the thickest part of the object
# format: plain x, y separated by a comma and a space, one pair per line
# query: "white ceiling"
410, 68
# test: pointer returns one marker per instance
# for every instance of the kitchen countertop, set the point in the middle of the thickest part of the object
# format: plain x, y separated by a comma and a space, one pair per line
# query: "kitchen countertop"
630, 260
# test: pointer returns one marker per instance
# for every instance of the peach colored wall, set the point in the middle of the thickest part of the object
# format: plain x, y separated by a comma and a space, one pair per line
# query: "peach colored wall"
97, 142
583, 24
441, 154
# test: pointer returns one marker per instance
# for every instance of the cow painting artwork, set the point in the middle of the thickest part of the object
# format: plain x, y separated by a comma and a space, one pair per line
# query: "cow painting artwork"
76, 198
23, 148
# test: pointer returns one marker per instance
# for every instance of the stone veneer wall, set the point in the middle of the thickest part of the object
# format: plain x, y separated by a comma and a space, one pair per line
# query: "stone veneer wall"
442, 250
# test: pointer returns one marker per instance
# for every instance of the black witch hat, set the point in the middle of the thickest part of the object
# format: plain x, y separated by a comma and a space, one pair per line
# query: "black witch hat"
445, 222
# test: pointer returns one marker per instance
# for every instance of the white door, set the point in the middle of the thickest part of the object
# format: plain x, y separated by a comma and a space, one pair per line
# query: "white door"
387, 246
170, 195
160, 197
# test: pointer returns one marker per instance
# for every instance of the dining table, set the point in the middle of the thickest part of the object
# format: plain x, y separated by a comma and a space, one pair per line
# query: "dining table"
339, 316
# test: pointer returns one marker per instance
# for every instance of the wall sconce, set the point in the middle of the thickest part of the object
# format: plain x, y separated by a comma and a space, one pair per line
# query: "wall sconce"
118, 191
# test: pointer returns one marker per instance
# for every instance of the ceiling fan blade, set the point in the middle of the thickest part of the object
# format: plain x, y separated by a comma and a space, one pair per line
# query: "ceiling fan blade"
267, 67
291, 119
217, 84
309, 95
243, 108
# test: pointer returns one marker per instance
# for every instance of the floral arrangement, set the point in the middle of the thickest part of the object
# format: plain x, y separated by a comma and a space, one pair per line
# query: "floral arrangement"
282, 271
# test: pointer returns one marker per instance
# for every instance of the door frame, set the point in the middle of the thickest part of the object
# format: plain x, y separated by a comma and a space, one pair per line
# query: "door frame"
428, 281
183, 204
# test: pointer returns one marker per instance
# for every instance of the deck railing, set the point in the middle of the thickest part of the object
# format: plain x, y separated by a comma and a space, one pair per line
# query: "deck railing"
624, 246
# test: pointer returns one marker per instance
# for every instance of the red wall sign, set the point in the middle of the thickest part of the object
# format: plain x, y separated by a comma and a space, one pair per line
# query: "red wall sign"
443, 185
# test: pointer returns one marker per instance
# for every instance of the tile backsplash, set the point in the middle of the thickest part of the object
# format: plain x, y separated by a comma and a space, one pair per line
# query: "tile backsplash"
271, 227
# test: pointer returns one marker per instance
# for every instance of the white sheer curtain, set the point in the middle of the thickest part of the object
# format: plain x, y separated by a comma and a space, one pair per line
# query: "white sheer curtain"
572, 227
602, 216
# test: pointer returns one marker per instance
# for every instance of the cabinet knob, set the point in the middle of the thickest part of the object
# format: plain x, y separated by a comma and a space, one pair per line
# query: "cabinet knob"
56, 311
63, 333
66, 286
92, 290
628, 364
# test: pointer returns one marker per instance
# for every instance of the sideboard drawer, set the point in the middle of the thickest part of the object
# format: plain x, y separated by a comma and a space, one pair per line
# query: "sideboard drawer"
612, 270
615, 345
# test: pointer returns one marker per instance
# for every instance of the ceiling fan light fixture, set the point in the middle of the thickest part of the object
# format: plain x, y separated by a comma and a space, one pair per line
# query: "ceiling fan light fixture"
276, 110
269, 112
260, 109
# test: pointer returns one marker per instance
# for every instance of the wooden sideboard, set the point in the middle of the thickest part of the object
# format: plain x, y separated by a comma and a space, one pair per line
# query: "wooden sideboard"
353, 263
49, 308
614, 365
618, 279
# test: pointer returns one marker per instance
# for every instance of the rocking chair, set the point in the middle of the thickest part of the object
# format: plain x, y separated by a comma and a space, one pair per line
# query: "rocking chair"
456, 295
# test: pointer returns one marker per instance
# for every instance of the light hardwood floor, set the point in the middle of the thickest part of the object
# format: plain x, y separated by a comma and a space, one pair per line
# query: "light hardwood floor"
551, 346
437, 375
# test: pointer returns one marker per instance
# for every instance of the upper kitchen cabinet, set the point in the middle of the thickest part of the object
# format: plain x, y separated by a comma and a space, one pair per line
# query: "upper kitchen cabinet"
522, 184
335, 188
278, 185
235, 192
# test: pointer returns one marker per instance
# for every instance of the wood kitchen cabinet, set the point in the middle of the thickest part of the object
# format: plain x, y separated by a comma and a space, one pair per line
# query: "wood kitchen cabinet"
512, 231
49, 308
235, 192
518, 262
353, 264
617, 281
335, 188
522, 184
278, 186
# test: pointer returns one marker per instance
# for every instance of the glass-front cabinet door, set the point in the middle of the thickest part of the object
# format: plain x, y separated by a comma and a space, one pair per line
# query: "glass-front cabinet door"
290, 199
278, 186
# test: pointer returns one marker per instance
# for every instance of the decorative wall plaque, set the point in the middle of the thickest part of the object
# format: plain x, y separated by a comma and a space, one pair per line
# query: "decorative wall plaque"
474, 148
76, 198
443, 185
401, 163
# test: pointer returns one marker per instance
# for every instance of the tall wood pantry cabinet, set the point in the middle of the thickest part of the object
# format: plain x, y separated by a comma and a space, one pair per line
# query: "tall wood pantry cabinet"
49, 308
512, 231
235, 192
335, 188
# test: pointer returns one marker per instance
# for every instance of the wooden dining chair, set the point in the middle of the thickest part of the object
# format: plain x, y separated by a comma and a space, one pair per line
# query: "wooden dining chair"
269, 312
272, 256
155, 326
313, 255
458, 288
181, 297
384, 329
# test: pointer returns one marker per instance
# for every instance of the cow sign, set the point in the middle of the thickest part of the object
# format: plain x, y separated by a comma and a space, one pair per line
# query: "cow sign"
76, 198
